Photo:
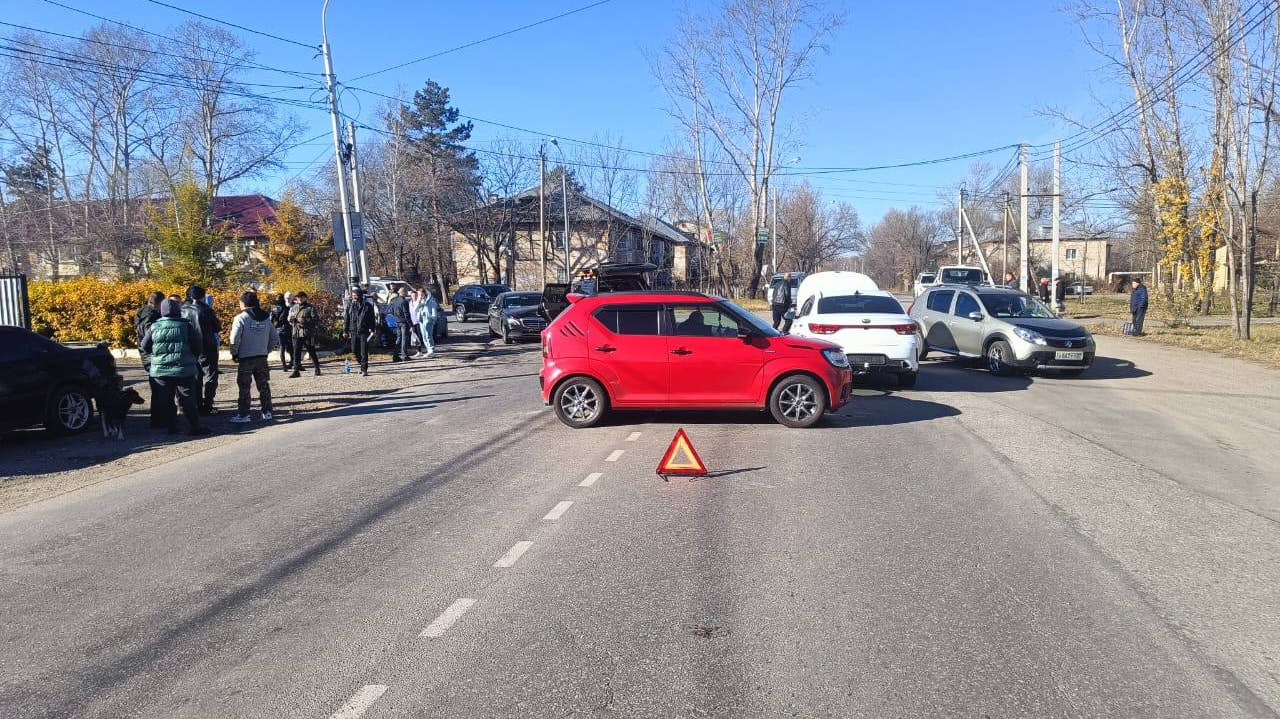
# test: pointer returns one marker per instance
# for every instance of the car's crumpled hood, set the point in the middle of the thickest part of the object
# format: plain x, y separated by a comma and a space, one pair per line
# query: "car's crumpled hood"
1049, 327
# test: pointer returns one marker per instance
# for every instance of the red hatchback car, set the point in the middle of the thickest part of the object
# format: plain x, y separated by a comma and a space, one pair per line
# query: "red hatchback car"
683, 350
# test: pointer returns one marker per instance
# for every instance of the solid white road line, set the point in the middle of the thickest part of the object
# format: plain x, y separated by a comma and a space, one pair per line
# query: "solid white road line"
360, 702
447, 619
513, 555
615, 455
558, 511
590, 480
633, 436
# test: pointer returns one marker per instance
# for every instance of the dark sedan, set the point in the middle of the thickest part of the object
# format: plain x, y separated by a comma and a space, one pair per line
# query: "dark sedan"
515, 315
473, 300
42, 381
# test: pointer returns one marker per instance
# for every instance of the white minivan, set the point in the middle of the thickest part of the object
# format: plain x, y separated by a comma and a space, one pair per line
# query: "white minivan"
868, 323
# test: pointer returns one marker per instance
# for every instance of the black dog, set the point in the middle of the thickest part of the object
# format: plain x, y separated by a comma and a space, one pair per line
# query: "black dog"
113, 407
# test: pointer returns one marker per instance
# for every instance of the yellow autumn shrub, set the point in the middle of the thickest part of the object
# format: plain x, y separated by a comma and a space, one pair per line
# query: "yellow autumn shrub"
90, 309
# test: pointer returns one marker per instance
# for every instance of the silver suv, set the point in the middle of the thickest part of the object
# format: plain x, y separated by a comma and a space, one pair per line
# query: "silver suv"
1010, 331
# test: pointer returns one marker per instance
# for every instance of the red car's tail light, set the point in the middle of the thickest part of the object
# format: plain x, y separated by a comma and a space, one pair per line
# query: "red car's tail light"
908, 329
824, 329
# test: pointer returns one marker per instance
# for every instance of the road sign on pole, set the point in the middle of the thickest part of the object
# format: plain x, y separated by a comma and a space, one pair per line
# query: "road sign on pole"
762, 235
681, 458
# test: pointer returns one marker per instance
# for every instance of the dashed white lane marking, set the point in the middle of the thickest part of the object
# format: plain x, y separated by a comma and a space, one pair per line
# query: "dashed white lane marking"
633, 436
615, 455
447, 619
558, 511
590, 480
513, 555
360, 702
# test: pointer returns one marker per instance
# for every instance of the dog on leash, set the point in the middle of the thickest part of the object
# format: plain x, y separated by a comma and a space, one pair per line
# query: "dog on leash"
113, 408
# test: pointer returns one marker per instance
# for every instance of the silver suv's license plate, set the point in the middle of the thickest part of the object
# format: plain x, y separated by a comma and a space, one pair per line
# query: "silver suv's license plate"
1068, 355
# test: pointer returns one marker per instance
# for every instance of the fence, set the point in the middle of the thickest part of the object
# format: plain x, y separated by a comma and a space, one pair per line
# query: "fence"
15, 306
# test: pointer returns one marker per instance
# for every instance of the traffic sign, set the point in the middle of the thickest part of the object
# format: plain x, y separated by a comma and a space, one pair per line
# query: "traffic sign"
681, 458
762, 236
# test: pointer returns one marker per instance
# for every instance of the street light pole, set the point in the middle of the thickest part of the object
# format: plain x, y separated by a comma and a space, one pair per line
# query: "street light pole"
542, 207
353, 271
564, 196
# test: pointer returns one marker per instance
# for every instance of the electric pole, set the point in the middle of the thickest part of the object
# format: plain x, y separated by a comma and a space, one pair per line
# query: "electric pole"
355, 197
773, 233
542, 207
960, 228
1004, 238
353, 271
1024, 260
1057, 210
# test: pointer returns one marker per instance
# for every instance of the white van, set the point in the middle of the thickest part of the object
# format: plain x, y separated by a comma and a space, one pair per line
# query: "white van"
868, 323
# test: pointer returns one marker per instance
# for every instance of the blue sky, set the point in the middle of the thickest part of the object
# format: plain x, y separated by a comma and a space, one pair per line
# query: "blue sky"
903, 81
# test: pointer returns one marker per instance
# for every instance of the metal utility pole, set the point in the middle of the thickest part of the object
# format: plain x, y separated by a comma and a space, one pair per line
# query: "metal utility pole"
1057, 211
773, 233
353, 271
564, 196
960, 228
1024, 260
542, 207
1004, 238
355, 196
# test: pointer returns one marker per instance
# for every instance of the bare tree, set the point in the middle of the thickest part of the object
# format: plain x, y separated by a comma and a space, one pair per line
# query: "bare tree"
728, 73
813, 233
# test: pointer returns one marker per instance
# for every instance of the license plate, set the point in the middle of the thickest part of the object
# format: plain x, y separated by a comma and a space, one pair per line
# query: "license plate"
1068, 355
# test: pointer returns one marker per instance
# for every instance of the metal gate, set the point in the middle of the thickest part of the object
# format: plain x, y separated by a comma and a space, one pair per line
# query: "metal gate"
15, 307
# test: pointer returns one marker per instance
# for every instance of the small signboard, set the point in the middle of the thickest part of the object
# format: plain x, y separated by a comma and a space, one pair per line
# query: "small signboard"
340, 233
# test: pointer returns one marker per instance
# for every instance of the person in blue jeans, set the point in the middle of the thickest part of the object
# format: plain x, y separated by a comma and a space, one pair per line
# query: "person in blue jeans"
428, 310
1138, 305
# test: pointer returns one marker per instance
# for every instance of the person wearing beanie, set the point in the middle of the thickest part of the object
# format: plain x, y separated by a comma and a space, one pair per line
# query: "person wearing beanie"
304, 324
253, 337
361, 322
173, 344
202, 317
280, 320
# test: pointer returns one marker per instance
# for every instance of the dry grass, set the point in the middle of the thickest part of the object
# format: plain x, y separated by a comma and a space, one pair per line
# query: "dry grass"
752, 303
1264, 348
1117, 307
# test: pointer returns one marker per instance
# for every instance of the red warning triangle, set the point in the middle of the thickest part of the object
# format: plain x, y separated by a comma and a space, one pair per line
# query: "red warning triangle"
682, 458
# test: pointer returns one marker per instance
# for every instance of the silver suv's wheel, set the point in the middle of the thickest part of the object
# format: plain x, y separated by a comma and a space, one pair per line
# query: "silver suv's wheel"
798, 401
580, 402
998, 356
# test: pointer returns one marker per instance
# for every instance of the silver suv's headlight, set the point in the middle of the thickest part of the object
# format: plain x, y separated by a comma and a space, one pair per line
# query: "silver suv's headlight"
1031, 336
836, 358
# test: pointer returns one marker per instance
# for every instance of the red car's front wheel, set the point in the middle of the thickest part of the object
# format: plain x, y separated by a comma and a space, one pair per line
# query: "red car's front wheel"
798, 401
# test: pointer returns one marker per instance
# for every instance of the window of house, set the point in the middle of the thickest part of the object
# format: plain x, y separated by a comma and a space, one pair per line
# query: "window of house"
557, 240
1072, 253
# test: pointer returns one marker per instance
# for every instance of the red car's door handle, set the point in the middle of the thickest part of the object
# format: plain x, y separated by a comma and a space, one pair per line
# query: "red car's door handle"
606, 348
681, 351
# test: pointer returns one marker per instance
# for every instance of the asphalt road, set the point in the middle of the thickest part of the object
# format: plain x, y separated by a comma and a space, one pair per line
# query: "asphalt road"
979, 547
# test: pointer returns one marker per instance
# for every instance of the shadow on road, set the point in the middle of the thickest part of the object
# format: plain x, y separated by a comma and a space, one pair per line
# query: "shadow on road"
964, 375
886, 410
1110, 368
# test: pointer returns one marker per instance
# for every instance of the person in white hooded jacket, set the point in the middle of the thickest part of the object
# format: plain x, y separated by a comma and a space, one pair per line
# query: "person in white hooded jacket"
253, 338
425, 315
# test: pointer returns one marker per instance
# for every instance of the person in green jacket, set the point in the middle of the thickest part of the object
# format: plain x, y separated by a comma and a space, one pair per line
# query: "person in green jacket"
173, 344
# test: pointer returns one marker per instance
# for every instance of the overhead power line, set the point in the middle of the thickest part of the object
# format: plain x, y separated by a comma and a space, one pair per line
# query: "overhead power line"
154, 51
1179, 76
482, 40
231, 24
175, 41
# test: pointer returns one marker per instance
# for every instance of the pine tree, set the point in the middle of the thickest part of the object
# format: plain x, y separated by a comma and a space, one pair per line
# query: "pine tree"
182, 231
295, 251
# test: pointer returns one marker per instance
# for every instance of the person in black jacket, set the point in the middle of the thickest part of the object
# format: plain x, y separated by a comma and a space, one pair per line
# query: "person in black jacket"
280, 320
404, 326
201, 316
306, 327
360, 325
1138, 305
147, 316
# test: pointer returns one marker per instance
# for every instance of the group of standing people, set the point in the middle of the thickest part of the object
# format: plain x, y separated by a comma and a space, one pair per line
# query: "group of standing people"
178, 343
